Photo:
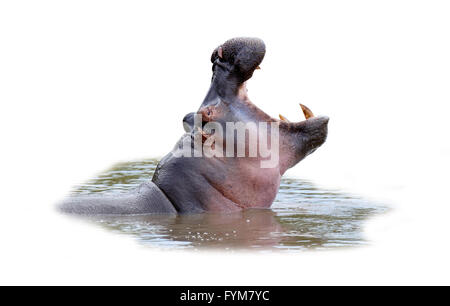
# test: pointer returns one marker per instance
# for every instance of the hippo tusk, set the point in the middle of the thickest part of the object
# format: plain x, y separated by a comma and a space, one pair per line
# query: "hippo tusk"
283, 118
306, 111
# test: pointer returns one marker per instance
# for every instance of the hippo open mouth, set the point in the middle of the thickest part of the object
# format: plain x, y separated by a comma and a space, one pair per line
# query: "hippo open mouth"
230, 182
239, 174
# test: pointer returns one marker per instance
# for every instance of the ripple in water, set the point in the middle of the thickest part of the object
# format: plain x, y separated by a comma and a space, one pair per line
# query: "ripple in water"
302, 217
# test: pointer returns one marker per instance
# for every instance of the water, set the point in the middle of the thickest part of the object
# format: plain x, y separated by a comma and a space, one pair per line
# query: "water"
302, 217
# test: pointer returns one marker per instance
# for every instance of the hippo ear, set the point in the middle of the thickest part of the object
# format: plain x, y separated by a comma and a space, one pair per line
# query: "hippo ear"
188, 122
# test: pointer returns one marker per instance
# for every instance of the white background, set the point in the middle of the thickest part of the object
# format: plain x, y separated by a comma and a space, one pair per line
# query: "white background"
85, 84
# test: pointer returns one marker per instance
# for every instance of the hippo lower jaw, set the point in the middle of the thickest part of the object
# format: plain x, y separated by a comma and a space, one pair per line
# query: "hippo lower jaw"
308, 134
218, 184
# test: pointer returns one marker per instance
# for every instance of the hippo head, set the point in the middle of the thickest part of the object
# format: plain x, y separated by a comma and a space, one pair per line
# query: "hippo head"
233, 154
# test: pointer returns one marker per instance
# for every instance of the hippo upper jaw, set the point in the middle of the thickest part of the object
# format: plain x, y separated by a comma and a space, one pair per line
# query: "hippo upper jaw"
233, 64
240, 56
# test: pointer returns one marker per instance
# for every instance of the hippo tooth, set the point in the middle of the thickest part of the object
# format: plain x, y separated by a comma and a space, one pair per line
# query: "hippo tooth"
283, 118
306, 111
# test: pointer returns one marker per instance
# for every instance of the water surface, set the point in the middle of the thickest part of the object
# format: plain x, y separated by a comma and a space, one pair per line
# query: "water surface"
302, 217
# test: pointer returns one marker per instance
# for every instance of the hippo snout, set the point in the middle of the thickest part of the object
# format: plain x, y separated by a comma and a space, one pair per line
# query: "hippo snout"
242, 55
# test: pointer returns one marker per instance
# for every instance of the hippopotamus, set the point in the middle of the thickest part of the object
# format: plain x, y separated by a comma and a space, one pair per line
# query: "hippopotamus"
209, 172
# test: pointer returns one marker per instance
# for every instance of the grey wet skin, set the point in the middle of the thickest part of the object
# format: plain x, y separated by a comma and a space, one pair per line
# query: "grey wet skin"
146, 199
211, 184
